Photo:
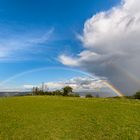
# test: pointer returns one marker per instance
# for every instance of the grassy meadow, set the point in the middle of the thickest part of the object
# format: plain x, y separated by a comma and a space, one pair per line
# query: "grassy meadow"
69, 118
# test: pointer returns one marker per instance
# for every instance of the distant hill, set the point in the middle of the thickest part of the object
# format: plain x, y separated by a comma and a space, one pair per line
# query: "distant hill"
3, 94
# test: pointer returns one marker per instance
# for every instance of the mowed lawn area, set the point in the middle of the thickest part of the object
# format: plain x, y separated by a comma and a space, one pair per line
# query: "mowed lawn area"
69, 118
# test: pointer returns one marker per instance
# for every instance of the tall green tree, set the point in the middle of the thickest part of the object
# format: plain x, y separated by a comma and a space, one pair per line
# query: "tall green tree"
67, 90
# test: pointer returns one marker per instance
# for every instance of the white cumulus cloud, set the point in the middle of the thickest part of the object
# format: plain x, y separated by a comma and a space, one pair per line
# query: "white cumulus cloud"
112, 46
77, 83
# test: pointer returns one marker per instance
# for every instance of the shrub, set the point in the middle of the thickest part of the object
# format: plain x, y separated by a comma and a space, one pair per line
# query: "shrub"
89, 96
137, 95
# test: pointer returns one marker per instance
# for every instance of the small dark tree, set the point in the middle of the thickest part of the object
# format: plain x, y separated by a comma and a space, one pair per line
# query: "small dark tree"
35, 91
67, 90
89, 96
137, 95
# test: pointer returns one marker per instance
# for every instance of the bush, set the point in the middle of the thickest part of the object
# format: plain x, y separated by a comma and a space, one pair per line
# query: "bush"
89, 96
137, 95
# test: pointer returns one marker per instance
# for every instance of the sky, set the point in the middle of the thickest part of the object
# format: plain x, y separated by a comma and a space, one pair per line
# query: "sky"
97, 37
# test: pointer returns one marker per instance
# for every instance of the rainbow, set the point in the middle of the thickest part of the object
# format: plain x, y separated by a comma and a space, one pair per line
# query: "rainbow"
109, 85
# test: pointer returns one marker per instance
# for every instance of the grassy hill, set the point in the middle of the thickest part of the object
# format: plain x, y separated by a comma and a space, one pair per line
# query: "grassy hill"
67, 118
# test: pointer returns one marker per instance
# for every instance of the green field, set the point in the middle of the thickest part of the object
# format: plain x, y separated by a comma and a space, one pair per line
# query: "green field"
67, 118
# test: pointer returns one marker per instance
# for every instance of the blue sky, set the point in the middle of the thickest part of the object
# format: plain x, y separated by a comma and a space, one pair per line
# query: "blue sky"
33, 33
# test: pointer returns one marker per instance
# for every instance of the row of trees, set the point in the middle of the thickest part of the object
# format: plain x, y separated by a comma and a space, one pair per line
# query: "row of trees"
135, 96
66, 91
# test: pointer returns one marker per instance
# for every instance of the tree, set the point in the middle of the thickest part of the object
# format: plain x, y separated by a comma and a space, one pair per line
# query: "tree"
137, 95
89, 96
35, 91
67, 90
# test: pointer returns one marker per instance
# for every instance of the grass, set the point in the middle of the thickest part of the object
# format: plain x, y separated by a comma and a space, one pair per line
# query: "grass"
68, 118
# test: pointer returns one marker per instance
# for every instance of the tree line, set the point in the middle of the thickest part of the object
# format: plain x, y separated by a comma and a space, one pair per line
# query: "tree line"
135, 96
66, 91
